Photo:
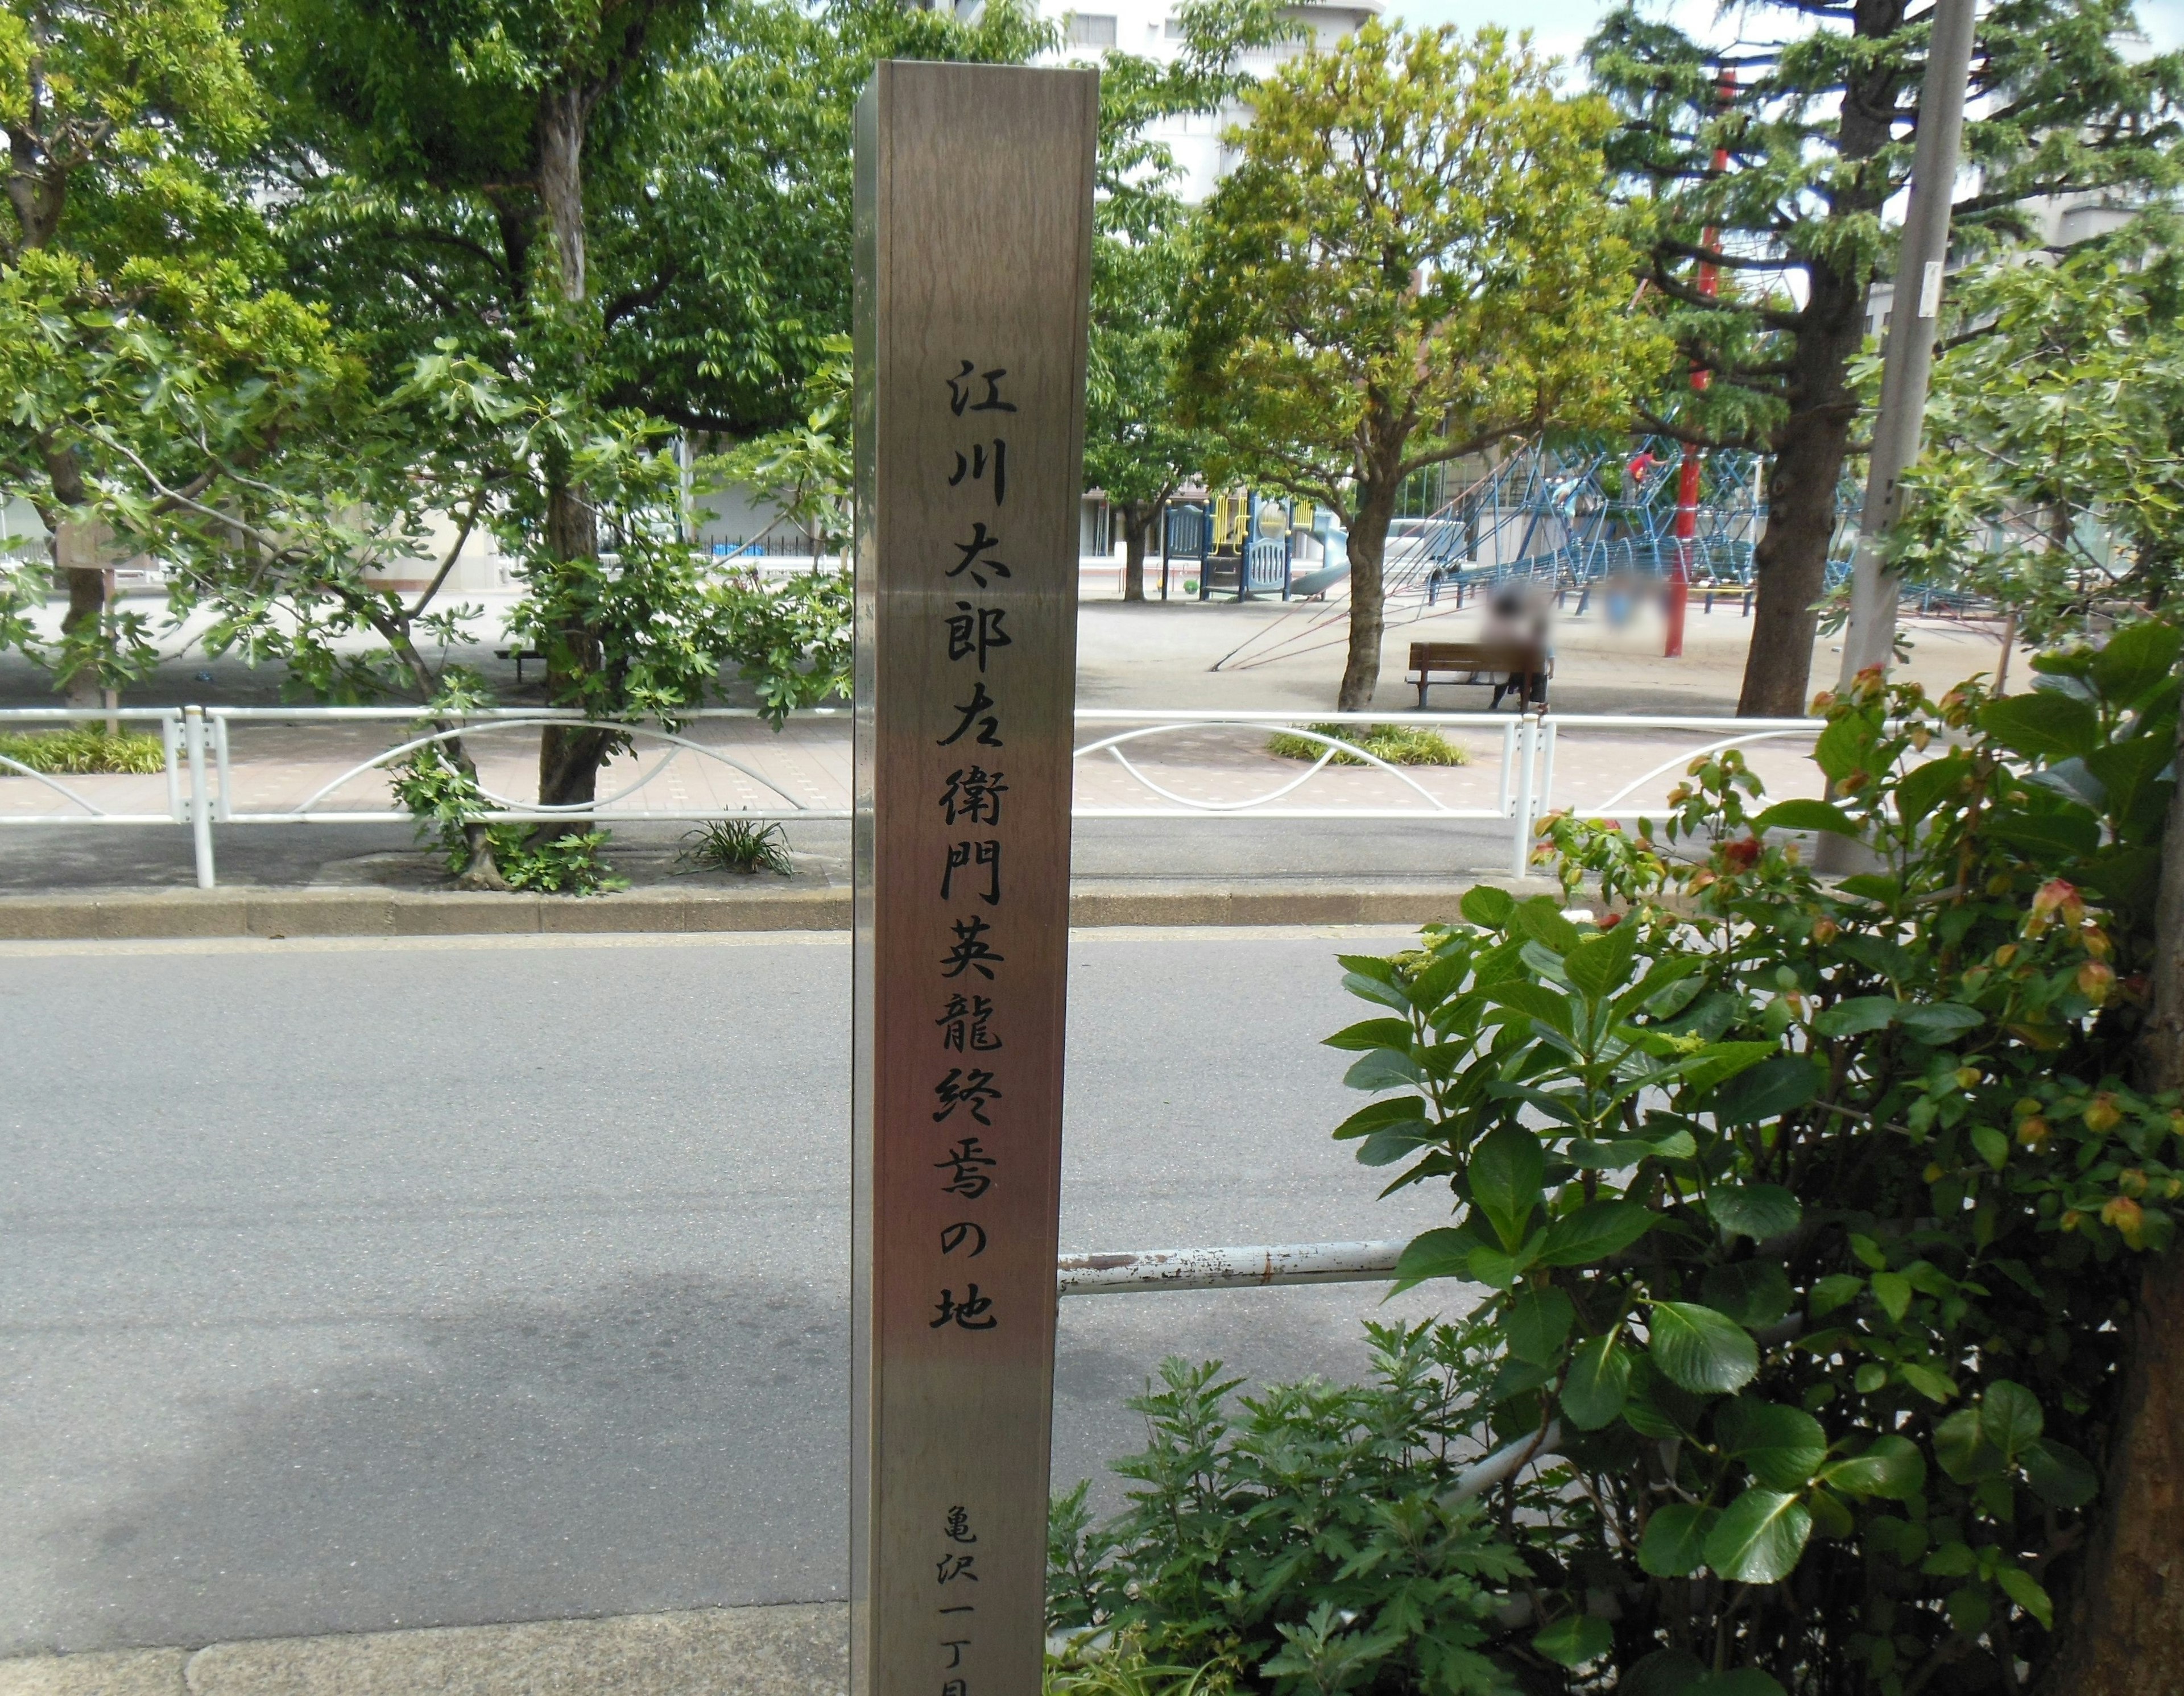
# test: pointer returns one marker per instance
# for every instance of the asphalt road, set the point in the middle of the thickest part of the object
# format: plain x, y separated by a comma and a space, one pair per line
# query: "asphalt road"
347, 1285
42, 859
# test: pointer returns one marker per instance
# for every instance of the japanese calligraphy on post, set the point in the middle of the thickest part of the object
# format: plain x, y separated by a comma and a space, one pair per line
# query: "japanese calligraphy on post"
974, 214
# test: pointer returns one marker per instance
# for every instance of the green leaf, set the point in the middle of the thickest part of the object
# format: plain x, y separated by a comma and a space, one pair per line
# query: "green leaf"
1372, 1033
1767, 1089
1758, 1211
1939, 1022
1845, 746
1575, 1640
1858, 1015
1443, 1254
1372, 988
1992, 1144
1383, 1069
1674, 1545
2134, 661
2009, 1417
2069, 833
1700, 1350
1922, 787
1488, 908
1758, 1537
1597, 1384
1892, 1290
1782, 1447
1507, 1168
1596, 1231
1385, 1146
2023, 1589
1403, 1109
1534, 1000
1541, 918
1806, 815
2045, 724
1536, 1323
1962, 1448
2058, 1474
1832, 1291
1891, 1468
1498, 1270
1752, 1292
1599, 965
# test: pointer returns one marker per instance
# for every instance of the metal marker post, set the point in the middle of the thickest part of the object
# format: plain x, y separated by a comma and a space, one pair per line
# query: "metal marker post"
193, 734
974, 259
1870, 634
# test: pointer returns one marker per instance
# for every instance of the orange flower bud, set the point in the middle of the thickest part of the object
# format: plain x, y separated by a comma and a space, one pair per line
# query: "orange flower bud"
2102, 1114
1920, 736
2052, 895
1825, 931
2131, 1181
2005, 954
2126, 1216
2095, 941
2095, 977
2071, 1219
1967, 1077
2033, 1132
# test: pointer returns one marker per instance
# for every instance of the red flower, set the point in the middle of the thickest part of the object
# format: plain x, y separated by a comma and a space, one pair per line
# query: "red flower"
1740, 857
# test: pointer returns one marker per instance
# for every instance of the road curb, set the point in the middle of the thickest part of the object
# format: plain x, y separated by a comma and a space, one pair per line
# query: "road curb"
131, 915
792, 1650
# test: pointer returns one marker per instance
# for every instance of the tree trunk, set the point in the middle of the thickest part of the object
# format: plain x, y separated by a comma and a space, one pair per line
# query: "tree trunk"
1368, 617
2125, 1632
562, 182
1792, 561
1137, 527
83, 625
568, 756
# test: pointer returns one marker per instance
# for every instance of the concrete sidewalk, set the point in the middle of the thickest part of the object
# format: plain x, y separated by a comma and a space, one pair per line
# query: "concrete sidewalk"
132, 914
793, 1649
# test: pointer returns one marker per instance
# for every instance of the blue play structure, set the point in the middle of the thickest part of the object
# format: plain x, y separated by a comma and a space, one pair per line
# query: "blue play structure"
1567, 516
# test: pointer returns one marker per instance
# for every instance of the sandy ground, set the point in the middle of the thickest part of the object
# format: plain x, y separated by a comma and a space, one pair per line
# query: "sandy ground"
1262, 655
1275, 657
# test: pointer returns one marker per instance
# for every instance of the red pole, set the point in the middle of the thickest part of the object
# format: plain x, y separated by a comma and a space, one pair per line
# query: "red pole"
1687, 474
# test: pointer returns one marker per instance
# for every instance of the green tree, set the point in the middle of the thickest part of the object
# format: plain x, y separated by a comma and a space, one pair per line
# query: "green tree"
1821, 1216
142, 346
1414, 262
563, 232
2054, 475
1136, 448
1819, 125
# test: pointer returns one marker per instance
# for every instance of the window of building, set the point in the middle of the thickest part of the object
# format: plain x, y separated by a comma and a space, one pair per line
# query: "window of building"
1092, 29
1174, 28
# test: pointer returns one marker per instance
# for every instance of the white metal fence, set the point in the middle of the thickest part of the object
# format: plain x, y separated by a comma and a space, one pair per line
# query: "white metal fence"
724, 763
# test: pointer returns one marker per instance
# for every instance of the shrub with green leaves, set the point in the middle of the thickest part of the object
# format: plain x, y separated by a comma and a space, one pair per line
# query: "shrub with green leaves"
82, 749
1314, 1542
1397, 744
1811, 1214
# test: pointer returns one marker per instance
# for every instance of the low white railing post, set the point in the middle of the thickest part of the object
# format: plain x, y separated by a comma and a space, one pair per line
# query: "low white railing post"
193, 725
171, 740
1520, 844
223, 808
1546, 802
1505, 798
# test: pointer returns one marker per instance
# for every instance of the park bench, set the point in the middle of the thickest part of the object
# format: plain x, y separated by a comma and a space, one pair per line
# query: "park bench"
519, 655
1507, 669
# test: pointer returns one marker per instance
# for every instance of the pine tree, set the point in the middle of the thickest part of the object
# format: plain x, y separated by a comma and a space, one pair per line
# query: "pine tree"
1818, 124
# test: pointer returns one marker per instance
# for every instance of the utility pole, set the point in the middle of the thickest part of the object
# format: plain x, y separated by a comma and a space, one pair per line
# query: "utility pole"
1687, 474
1869, 636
